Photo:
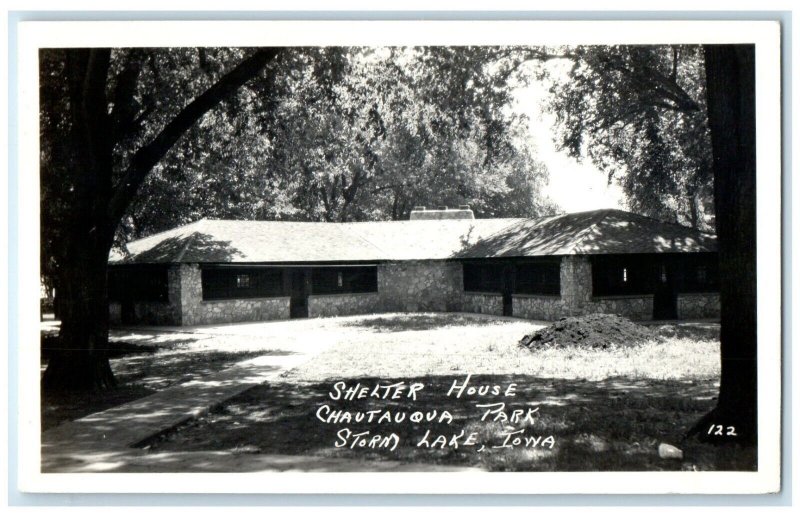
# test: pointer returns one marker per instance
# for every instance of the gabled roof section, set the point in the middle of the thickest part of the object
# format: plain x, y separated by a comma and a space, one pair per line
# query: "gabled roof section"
163, 247
427, 239
598, 232
210, 240
584, 233
280, 241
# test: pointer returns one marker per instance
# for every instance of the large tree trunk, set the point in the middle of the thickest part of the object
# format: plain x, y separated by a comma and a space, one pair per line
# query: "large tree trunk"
730, 72
92, 207
80, 360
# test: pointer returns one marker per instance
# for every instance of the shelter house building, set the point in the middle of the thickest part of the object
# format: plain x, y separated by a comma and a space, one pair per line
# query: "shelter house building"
443, 260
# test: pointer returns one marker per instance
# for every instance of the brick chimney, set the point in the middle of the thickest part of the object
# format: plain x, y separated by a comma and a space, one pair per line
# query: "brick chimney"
420, 213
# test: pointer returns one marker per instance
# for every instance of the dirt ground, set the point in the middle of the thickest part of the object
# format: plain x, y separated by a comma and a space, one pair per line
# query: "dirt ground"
614, 425
606, 409
591, 331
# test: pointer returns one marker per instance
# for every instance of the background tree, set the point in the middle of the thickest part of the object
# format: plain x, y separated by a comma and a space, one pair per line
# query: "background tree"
104, 125
350, 134
658, 115
138, 140
730, 70
639, 114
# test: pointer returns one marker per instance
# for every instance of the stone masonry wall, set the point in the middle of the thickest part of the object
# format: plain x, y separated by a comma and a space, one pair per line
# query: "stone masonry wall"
233, 311
576, 297
418, 286
413, 286
538, 307
698, 305
634, 307
191, 294
576, 291
195, 311
325, 305
114, 313
154, 313
576, 284
483, 303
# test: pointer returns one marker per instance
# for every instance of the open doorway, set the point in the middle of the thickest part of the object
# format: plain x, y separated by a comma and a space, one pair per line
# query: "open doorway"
298, 305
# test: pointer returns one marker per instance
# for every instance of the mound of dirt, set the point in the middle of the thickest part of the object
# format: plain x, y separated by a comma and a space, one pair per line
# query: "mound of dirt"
591, 331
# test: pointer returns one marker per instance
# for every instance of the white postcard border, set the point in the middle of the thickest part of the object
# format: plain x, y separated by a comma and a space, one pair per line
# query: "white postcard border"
35, 35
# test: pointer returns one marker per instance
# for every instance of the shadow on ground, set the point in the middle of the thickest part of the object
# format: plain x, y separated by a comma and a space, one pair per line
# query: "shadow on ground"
116, 349
139, 375
687, 330
418, 322
611, 425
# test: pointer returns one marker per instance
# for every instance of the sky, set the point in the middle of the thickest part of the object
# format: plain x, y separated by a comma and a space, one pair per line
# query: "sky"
574, 186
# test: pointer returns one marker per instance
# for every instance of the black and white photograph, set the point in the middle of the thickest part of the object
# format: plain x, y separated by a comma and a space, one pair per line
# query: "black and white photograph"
483, 253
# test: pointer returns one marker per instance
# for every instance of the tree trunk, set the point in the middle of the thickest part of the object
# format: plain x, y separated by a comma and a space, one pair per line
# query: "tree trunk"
730, 72
92, 205
80, 361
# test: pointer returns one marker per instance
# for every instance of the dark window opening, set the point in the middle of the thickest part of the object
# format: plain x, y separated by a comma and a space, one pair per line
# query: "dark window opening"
138, 284
645, 274
538, 279
487, 278
230, 283
335, 280
625, 275
701, 274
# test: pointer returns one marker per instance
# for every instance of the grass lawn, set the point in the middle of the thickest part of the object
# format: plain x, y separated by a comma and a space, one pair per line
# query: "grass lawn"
412, 345
602, 409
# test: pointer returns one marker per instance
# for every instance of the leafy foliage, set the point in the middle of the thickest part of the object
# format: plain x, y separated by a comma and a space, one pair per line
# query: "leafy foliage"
105, 124
347, 134
639, 114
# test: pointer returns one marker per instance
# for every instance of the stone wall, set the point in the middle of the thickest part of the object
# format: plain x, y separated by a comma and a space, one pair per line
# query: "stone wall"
538, 307
191, 295
576, 284
639, 307
413, 286
483, 303
154, 313
114, 313
419, 286
576, 297
698, 305
325, 305
576, 293
196, 311
146, 313
233, 311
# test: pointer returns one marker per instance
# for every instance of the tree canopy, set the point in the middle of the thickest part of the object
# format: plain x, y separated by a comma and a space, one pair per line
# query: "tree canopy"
137, 140
101, 135
134, 141
350, 134
639, 114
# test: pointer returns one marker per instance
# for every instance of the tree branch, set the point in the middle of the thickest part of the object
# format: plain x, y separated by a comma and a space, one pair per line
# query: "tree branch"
651, 80
149, 155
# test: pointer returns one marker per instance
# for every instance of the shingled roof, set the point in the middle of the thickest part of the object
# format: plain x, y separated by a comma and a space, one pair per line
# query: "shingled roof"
596, 232
599, 232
